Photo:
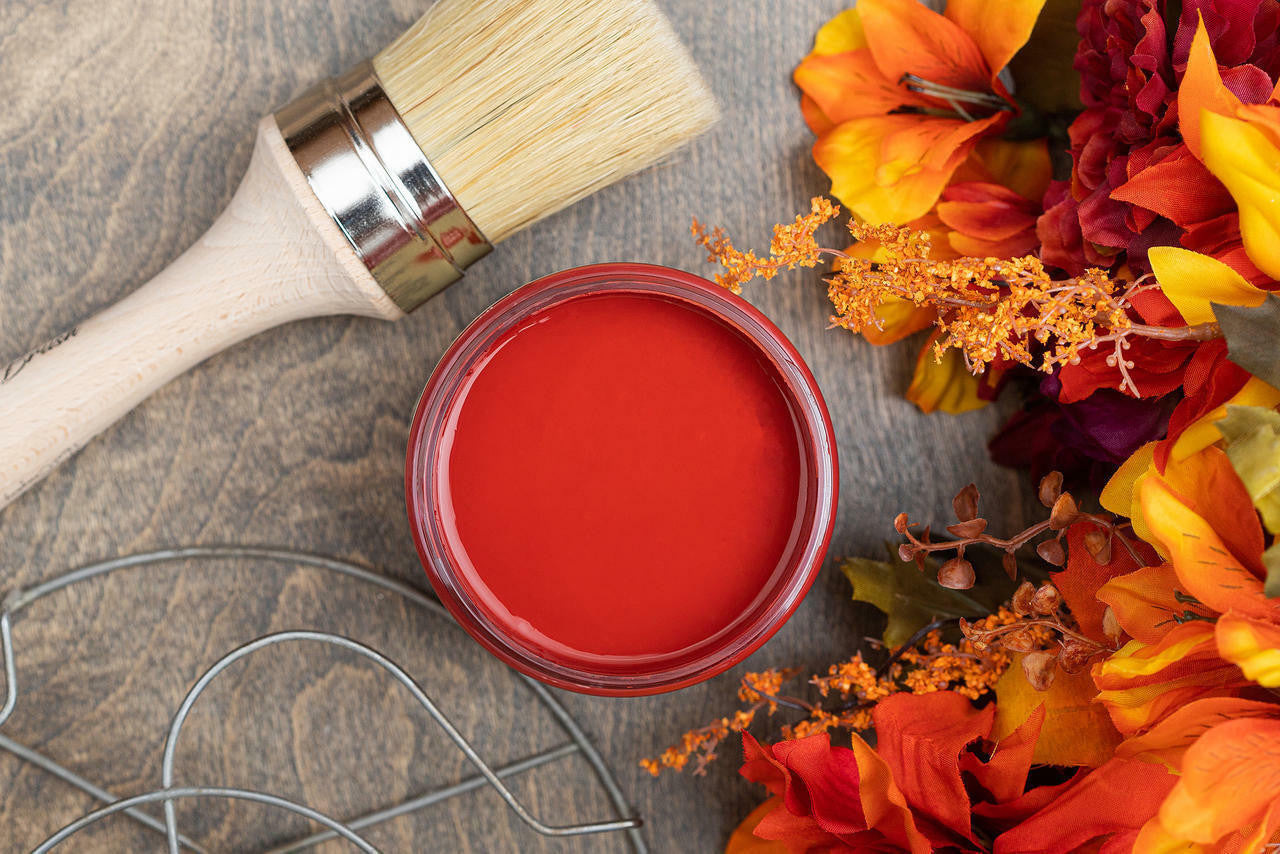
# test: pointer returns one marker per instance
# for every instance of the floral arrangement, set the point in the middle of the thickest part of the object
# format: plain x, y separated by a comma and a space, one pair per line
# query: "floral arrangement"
1080, 201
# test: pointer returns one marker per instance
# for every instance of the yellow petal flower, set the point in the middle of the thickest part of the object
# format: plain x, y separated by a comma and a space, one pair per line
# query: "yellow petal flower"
1203, 432
1252, 644
1244, 159
945, 385
1120, 494
841, 34
1193, 281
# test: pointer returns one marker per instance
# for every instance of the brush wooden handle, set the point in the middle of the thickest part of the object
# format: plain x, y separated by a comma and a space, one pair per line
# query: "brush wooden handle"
273, 256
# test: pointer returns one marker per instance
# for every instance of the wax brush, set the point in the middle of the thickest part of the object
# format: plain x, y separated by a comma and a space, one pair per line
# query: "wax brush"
371, 192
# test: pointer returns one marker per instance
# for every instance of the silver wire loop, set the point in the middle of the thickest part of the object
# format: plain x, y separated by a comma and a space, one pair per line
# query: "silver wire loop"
168, 794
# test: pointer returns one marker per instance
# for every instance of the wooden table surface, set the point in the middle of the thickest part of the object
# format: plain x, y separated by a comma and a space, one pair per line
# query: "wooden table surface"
126, 128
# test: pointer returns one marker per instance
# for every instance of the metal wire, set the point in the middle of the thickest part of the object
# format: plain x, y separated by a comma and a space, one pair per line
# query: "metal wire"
488, 776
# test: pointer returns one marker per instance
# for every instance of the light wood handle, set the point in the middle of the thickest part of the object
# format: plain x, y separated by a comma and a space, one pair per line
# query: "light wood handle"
274, 255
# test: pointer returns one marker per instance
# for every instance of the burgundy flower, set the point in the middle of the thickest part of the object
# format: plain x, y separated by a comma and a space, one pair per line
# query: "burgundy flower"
1129, 158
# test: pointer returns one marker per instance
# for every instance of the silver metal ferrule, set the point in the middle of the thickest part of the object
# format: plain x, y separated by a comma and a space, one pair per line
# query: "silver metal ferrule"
372, 177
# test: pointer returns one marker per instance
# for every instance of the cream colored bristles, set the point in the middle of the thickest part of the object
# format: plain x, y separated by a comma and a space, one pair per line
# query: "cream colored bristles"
526, 106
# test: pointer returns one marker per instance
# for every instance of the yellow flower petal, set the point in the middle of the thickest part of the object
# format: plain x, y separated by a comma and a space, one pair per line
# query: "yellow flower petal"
893, 168
1204, 432
1120, 493
999, 29
1252, 644
841, 34
1243, 158
1192, 281
945, 385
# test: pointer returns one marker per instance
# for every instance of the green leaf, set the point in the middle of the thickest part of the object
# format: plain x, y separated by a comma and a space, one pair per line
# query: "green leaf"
910, 598
1253, 337
1271, 560
1253, 446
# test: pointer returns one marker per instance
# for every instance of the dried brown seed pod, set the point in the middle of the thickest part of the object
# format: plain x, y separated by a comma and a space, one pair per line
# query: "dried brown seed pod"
957, 574
1075, 655
968, 530
906, 552
1018, 640
1022, 597
1064, 512
966, 503
1111, 626
1050, 488
1039, 668
1047, 600
1010, 564
900, 523
1098, 544
1051, 551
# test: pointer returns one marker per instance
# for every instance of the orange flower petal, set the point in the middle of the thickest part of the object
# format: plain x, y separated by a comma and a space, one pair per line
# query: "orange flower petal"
814, 117
1141, 684
1144, 603
1205, 567
1230, 780
1023, 167
1000, 29
853, 155
1254, 645
849, 86
883, 804
906, 37
1168, 740
946, 385
1201, 89
744, 840
1208, 484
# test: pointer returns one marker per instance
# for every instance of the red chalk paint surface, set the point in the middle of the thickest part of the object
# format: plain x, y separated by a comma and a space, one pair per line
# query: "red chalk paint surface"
621, 478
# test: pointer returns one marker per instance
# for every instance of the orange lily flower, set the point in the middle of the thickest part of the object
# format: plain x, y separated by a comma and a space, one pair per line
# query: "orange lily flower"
901, 95
1226, 751
1200, 623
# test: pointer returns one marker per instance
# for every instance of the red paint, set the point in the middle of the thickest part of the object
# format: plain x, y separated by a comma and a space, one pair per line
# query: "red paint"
623, 479
619, 483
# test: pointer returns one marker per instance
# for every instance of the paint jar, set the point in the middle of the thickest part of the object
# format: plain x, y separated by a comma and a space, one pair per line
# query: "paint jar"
621, 479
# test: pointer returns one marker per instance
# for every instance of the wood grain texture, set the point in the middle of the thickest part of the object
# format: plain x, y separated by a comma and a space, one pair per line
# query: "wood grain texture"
129, 125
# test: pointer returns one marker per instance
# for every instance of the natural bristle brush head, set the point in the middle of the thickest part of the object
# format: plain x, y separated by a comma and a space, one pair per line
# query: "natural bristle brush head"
525, 106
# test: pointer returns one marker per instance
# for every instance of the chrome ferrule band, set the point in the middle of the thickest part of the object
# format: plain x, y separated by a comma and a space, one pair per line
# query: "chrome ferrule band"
374, 180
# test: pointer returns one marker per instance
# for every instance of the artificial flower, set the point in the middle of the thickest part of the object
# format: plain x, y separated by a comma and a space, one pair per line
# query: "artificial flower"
937, 781
1139, 180
901, 95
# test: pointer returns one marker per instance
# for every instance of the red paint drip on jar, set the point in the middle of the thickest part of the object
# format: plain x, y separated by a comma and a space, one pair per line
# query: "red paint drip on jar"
621, 479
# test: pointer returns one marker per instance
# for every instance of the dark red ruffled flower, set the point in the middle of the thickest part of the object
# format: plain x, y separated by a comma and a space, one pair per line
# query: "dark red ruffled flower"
1135, 184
